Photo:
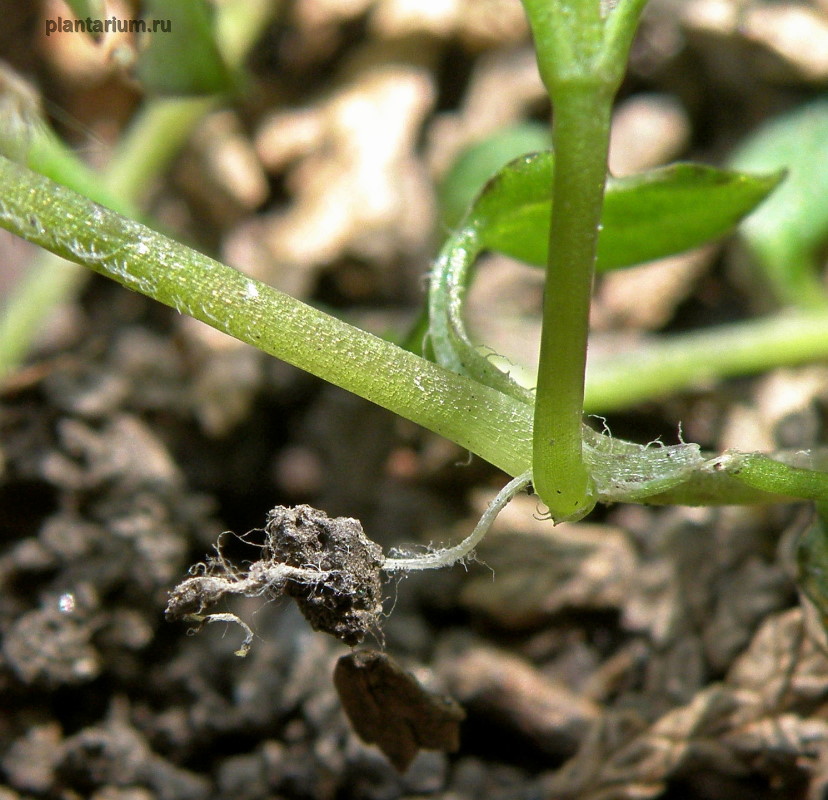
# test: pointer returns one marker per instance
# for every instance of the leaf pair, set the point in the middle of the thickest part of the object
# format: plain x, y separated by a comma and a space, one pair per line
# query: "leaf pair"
646, 217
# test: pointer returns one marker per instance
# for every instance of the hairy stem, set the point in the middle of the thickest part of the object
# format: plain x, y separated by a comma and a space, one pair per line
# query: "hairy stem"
159, 130
475, 416
582, 48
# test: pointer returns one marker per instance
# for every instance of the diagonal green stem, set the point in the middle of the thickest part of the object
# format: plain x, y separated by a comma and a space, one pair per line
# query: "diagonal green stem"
479, 418
660, 366
493, 425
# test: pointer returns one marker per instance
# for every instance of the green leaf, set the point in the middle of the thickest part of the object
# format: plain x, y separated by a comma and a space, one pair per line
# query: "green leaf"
88, 9
181, 56
646, 216
673, 209
786, 233
478, 163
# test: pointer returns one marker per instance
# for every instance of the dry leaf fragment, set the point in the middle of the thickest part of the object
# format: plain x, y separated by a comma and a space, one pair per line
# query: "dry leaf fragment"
388, 707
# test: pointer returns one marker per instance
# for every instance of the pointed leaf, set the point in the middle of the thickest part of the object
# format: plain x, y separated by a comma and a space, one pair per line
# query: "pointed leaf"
647, 216
477, 163
673, 209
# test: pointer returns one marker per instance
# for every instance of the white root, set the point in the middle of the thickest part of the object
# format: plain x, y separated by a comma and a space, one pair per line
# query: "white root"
451, 555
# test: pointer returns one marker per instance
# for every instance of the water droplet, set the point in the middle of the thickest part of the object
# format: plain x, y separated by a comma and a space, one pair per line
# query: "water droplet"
66, 603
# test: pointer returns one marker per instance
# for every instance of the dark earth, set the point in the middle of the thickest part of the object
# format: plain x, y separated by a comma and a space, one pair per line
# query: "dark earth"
642, 653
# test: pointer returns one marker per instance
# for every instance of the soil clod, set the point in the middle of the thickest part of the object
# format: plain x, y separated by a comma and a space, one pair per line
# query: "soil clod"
328, 566
347, 603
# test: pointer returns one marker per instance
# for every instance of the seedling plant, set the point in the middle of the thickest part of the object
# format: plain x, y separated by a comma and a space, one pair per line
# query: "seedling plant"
557, 209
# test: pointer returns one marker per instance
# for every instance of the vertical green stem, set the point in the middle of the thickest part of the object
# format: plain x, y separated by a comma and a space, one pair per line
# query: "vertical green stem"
582, 48
581, 140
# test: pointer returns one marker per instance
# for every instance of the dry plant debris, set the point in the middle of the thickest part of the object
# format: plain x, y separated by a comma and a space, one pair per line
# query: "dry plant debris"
503, 88
648, 130
750, 724
227, 163
534, 708
478, 24
388, 706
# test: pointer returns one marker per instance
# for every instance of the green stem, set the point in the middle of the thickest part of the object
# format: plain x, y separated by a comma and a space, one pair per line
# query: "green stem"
476, 417
489, 423
660, 367
47, 282
582, 48
581, 141
746, 478
151, 142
